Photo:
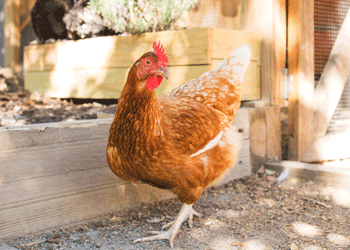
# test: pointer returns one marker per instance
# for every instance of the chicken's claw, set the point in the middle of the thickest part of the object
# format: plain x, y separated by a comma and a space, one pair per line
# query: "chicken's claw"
186, 213
190, 215
160, 235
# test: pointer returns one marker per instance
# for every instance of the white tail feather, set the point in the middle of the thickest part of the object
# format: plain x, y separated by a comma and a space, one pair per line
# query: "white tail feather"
239, 59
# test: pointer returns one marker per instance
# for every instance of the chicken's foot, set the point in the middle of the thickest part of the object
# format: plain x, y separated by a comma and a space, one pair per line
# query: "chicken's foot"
186, 213
190, 215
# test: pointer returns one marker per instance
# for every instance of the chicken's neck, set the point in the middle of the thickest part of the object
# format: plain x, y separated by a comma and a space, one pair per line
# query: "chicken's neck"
137, 119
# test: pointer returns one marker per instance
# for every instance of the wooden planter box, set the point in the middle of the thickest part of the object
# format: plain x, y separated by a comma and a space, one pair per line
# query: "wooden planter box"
56, 174
98, 67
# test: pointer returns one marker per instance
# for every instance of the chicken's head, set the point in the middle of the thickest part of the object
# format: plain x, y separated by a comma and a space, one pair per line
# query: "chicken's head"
151, 67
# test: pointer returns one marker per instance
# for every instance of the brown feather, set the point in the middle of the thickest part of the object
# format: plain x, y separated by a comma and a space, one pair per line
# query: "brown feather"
154, 140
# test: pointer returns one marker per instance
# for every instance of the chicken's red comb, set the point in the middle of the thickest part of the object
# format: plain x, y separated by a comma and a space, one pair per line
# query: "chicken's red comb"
162, 57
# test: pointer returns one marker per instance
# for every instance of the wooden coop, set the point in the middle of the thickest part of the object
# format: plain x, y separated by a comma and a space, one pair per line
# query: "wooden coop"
295, 101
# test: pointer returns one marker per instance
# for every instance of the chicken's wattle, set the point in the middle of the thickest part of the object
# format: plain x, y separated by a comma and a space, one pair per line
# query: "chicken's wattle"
153, 82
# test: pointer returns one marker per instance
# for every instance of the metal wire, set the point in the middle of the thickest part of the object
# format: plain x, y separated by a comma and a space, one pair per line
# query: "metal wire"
329, 16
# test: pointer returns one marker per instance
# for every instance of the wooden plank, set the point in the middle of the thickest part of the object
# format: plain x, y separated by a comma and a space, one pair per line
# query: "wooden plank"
328, 174
108, 83
12, 34
223, 43
265, 135
328, 147
271, 28
241, 168
67, 209
183, 47
56, 174
331, 85
25, 12
273, 133
301, 67
40, 142
241, 121
258, 137
102, 72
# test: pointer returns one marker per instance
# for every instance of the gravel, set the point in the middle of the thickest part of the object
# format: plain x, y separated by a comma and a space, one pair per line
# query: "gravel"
250, 213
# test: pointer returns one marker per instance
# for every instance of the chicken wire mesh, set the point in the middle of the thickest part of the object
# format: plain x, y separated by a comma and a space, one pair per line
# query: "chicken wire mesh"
329, 16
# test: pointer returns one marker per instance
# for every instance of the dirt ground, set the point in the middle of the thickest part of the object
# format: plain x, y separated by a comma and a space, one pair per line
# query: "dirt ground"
19, 107
252, 213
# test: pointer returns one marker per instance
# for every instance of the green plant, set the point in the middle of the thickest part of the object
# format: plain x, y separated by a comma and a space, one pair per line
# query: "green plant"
139, 16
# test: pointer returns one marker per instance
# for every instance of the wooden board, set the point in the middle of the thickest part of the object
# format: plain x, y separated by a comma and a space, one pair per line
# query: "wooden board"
271, 28
12, 34
25, 12
56, 174
265, 135
273, 133
109, 82
52, 70
331, 85
327, 174
223, 41
258, 137
301, 67
183, 47
328, 147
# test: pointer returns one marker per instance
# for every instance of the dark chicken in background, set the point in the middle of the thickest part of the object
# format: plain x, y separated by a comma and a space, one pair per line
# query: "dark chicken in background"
47, 19
68, 19
184, 141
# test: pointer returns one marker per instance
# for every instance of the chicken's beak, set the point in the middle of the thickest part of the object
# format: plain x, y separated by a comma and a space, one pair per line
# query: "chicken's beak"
163, 72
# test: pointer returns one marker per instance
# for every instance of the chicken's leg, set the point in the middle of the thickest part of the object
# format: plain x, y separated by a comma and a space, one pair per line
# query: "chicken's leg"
186, 213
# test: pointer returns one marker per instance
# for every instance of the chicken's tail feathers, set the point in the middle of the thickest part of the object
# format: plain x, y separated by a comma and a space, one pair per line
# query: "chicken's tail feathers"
238, 61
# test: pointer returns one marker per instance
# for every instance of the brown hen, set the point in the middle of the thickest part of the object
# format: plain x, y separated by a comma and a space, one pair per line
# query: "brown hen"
183, 141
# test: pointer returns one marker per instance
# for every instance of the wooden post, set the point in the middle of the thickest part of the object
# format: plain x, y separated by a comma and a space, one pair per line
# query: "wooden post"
265, 135
25, 11
301, 67
12, 34
268, 19
334, 76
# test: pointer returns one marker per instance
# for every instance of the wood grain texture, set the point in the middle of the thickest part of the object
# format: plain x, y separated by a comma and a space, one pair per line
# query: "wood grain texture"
109, 82
25, 12
56, 174
327, 173
183, 47
271, 28
273, 133
334, 76
265, 135
223, 41
12, 34
258, 137
327, 148
101, 73
301, 67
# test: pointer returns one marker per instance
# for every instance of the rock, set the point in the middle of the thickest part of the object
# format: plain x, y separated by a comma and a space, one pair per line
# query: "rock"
271, 178
6, 73
97, 105
261, 170
293, 247
270, 172
3, 85
35, 96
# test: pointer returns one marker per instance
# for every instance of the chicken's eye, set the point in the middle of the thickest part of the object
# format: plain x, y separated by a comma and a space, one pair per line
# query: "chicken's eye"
148, 62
